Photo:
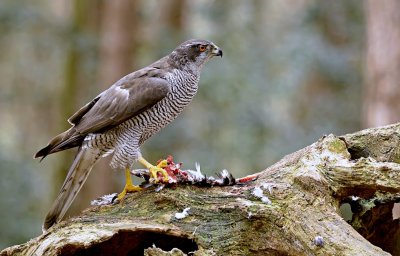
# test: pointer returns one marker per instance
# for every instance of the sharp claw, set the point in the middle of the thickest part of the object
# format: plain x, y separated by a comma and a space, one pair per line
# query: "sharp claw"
128, 189
120, 196
156, 169
162, 164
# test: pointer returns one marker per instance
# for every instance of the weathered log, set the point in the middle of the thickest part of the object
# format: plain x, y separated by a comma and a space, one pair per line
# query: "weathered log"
293, 208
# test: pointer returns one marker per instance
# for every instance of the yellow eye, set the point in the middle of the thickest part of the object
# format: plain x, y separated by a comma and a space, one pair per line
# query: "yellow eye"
202, 48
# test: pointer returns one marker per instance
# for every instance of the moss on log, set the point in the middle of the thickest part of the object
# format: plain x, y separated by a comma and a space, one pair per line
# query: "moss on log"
293, 208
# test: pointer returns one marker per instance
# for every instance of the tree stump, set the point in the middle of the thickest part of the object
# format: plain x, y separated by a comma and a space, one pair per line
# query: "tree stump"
293, 208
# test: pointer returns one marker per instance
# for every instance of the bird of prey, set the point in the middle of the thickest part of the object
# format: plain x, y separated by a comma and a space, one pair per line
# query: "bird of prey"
120, 119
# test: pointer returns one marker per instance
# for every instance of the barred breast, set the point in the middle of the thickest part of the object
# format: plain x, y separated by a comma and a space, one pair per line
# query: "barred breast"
124, 140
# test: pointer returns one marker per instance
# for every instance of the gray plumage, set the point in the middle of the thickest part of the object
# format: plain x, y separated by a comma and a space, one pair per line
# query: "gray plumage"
121, 118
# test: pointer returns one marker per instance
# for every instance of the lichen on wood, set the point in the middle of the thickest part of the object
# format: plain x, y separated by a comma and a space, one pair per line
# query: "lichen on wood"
293, 208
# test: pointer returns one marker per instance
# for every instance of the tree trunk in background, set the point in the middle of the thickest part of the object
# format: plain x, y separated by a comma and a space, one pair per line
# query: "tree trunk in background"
82, 25
175, 15
173, 21
382, 93
68, 94
381, 104
118, 22
117, 41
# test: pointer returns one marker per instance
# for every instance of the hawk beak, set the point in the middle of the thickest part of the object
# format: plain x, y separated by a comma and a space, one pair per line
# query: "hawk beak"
217, 51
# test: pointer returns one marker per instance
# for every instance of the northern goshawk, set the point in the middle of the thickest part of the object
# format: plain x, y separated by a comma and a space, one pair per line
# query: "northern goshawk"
124, 116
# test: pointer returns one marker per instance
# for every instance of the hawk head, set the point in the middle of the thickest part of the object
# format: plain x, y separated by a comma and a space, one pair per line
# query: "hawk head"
194, 53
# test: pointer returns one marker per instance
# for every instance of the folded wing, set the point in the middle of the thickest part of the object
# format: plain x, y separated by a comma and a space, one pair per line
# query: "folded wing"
127, 98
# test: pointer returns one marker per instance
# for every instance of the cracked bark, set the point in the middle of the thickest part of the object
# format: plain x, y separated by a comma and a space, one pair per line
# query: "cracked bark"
305, 189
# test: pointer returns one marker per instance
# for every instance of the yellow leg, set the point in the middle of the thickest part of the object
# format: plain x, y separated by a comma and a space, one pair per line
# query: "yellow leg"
155, 169
129, 187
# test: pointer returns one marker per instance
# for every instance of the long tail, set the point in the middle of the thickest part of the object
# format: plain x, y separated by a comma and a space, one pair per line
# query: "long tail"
77, 175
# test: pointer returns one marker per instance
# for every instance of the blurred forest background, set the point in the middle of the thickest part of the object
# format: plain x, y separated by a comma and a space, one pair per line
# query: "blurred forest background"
292, 71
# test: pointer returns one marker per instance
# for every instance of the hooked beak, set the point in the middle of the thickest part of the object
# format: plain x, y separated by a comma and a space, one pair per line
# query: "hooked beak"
216, 51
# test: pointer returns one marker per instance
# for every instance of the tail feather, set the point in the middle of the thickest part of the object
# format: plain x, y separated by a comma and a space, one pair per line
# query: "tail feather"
76, 177
68, 139
51, 146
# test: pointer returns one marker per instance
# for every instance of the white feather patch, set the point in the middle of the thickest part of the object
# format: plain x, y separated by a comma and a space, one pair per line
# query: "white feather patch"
183, 214
104, 200
122, 91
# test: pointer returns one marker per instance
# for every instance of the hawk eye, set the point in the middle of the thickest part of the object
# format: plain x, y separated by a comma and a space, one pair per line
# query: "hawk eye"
202, 48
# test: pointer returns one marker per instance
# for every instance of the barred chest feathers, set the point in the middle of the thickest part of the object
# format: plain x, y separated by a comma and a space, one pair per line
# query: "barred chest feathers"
183, 88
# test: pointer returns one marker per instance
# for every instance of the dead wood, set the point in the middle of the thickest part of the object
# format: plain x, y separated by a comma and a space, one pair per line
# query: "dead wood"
292, 209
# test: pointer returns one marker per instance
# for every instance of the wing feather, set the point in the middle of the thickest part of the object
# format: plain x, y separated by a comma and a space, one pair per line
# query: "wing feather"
115, 107
130, 96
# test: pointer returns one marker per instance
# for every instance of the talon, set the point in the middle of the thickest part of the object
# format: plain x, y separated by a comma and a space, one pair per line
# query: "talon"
154, 170
129, 187
162, 164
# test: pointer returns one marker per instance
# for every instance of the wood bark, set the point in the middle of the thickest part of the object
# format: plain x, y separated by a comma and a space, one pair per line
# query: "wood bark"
296, 213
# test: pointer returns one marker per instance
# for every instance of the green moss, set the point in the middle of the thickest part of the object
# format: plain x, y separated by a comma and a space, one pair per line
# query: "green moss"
337, 146
253, 208
396, 155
